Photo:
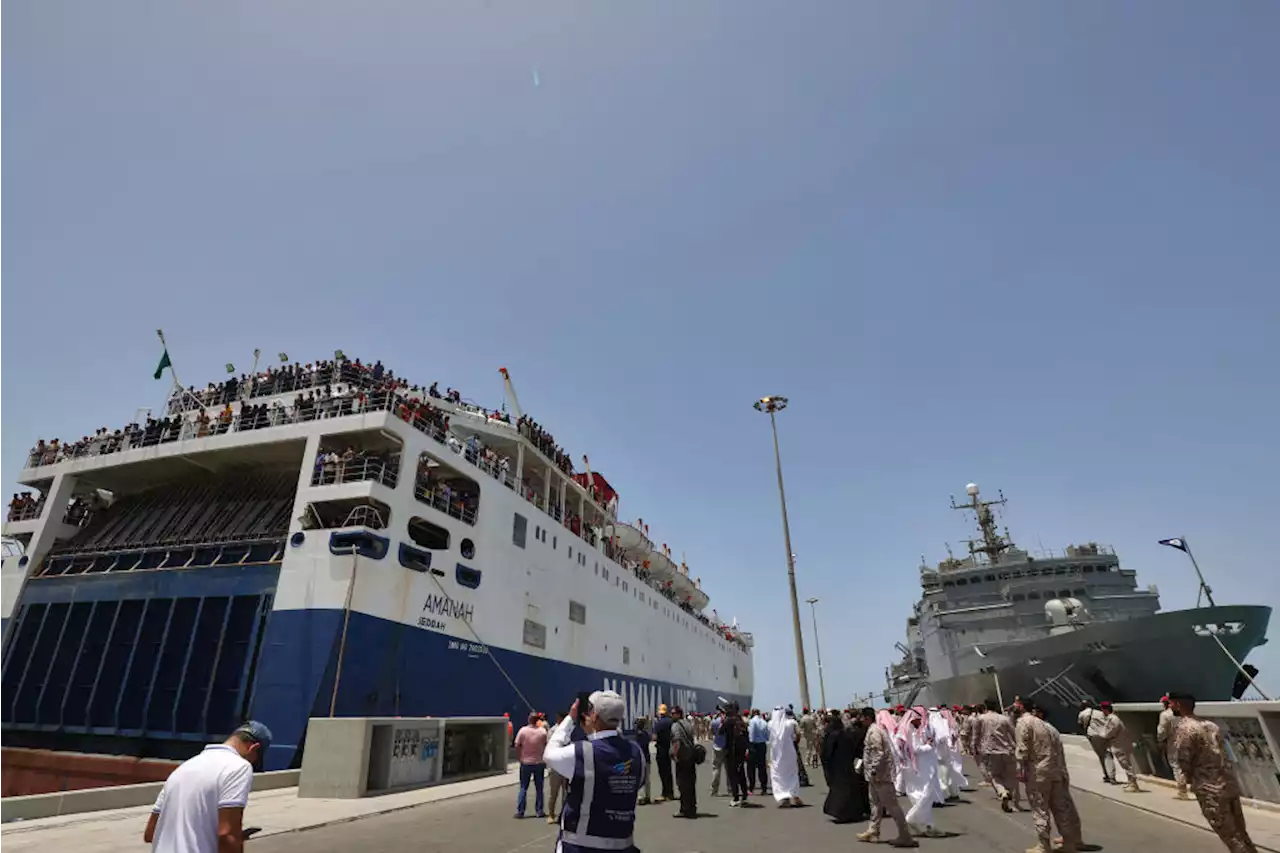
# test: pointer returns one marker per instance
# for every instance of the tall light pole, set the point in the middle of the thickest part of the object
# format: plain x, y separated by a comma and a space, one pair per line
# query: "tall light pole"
773, 405
817, 647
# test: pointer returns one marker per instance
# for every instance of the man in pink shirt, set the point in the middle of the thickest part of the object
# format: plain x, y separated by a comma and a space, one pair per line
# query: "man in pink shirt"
531, 742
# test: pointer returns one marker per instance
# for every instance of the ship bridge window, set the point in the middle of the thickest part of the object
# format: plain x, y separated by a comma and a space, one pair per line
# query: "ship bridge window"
428, 535
991, 577
1033, 596
1064, 593
1017, 596
519, 529
1088, 570
948, 584
446, 489
1078, 593
962, 582
577, 613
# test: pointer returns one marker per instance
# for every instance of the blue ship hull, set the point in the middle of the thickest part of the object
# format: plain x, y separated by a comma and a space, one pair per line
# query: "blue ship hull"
151, 663
392, 669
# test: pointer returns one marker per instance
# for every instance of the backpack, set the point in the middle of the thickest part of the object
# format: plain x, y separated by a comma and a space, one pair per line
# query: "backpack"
699, 751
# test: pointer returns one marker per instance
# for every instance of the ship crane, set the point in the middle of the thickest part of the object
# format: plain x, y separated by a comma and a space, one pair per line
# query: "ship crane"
512, 401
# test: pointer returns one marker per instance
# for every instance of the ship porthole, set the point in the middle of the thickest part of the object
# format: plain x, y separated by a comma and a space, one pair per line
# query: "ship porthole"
468, 549
297, 539
23, 560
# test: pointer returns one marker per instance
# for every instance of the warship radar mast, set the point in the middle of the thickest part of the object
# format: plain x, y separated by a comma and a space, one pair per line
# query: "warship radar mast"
992, 543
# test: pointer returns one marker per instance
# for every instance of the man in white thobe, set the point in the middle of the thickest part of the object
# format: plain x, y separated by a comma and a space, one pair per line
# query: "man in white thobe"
784, 764
920, 771
950, 769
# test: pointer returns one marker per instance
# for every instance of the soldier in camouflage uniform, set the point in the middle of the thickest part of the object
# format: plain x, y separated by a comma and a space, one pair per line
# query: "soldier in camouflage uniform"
975, 743
1117, 738
1044, 765
877, 766
996, 744
966, 725
1202, 754
1165, 737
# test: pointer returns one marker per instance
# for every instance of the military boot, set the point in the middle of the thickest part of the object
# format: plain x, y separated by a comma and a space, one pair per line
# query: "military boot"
1132, 787
870, 836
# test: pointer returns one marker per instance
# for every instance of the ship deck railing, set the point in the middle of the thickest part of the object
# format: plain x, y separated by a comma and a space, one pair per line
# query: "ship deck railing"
266, 383
136, 436
27, 511
434, 497
226, 551
384, 471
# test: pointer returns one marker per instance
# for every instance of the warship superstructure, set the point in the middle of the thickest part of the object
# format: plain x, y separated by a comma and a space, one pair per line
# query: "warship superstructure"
1061, 627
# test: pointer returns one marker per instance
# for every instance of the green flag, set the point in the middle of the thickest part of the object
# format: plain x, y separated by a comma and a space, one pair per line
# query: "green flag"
164, 362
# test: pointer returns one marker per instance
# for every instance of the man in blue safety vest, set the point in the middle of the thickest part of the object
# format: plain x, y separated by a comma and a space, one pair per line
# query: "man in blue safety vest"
604, 771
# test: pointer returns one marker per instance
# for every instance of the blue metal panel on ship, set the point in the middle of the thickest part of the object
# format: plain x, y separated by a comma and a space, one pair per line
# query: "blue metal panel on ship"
392, 669
166, 655
165, 583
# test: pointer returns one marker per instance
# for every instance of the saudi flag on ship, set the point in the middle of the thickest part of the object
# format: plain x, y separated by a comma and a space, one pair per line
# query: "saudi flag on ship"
164, 362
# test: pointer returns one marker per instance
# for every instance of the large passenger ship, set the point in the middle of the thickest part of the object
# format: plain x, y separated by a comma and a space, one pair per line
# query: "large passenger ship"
327, 539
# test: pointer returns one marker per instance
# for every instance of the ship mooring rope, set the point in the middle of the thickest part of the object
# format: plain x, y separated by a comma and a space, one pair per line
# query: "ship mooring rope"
487, 650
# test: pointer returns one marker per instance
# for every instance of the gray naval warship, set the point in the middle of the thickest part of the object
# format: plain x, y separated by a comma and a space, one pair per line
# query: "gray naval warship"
1065, 627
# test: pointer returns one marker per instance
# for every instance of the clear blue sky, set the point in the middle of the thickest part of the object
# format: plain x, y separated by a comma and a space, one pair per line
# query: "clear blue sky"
1029, 244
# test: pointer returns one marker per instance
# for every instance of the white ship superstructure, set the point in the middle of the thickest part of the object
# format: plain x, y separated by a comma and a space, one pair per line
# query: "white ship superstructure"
326, 540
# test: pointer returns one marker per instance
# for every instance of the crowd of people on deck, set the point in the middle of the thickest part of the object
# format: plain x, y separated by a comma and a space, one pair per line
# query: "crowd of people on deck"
455, 495
355, 463
25, 506
545, 442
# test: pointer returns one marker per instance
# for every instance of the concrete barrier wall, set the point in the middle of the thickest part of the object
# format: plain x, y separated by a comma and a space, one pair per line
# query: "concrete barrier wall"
1250, 729
44, 771
117, 797
351, 757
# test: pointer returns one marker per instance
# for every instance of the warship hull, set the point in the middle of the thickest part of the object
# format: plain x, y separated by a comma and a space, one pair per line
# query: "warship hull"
1131, 660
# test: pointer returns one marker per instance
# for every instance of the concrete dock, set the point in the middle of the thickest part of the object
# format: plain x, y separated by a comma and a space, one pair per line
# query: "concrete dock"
476, 815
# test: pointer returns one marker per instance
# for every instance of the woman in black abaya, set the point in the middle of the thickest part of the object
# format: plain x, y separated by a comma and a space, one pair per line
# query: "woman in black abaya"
847, 799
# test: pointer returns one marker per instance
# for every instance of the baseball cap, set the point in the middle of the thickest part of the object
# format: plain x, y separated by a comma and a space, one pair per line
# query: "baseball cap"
258, 733
1104, 704
609, 706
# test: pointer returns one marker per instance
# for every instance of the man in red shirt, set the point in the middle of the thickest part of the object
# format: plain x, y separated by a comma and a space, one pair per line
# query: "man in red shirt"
531, 742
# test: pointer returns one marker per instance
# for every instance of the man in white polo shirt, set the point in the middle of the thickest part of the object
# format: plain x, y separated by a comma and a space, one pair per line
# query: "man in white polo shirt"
201, 807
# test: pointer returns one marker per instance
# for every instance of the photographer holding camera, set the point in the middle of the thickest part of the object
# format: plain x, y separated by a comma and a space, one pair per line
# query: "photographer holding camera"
604, 771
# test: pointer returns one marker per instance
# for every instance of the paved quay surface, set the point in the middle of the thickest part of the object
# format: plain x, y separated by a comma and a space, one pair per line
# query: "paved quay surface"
485, 822
1157, 798
275, 812
477, 815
